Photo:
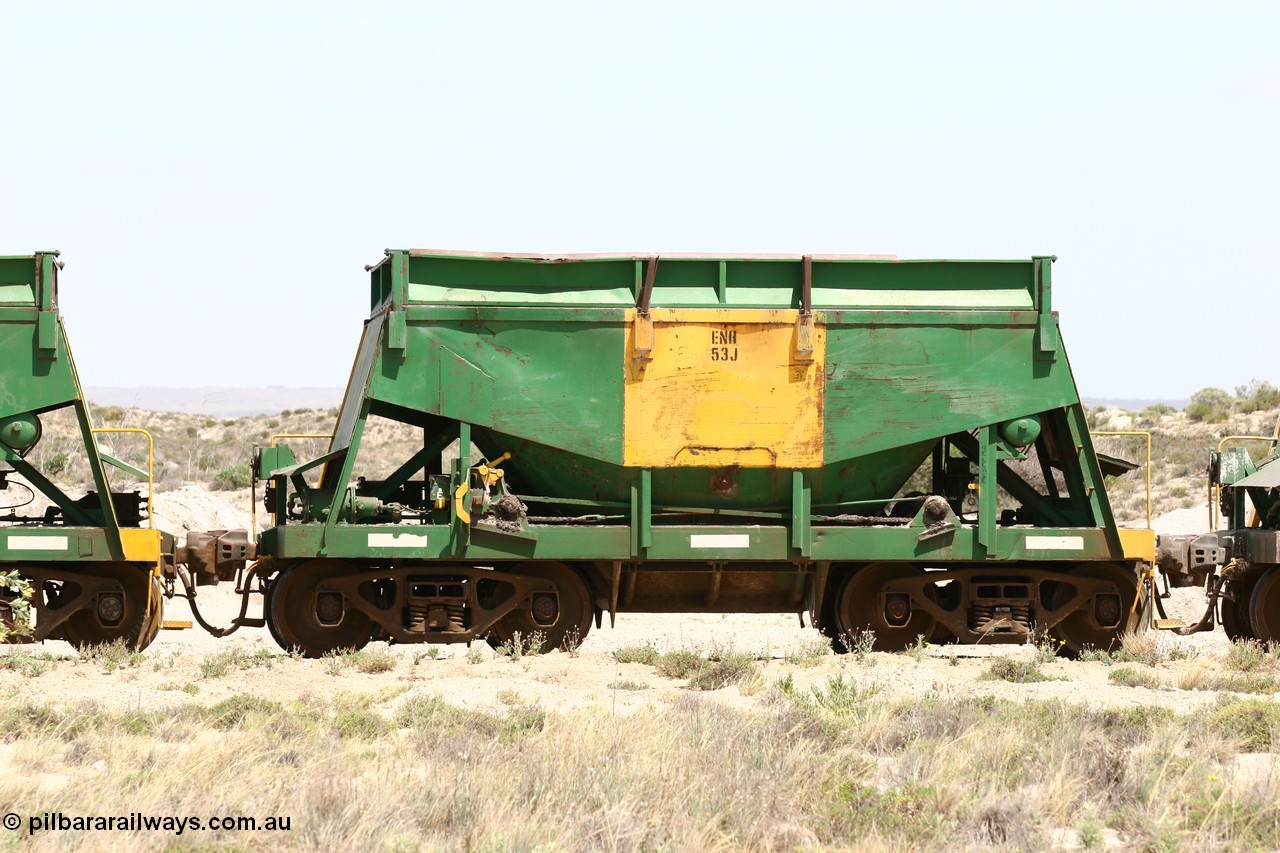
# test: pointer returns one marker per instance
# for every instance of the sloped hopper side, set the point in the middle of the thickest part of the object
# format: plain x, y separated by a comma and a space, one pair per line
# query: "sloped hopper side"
723, 402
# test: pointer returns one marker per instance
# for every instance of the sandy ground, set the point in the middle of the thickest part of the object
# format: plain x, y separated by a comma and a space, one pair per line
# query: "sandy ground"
173, 670
170, 673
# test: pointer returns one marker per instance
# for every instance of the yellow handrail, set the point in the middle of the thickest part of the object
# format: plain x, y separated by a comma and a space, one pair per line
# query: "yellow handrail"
1136, 434
1215, 490
151, 460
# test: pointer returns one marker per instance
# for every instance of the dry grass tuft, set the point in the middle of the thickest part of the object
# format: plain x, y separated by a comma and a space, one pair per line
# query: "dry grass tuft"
1017, 671
833, 767
1194, 677
1130, 677
1249, 656
1142, 647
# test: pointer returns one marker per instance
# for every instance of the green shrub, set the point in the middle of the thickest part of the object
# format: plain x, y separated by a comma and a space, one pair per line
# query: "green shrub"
375, 660
1255, 723
808, 654
840, 697
111, 656
1210, 405
1130, 677
1017, 671
627, 684
1247, 656
732, 668
17, 603
232, 477
681, 663
56, 464
233, 711
432, 715
1257, 396
358, 723
637, 654
1246, 682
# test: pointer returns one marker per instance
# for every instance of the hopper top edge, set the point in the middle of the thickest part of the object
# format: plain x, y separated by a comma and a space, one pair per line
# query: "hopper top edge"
683, 256
571, 257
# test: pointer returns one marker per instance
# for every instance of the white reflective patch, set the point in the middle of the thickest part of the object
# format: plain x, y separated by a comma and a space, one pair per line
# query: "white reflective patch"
397, 540
720, 540
37, 543
1055, 543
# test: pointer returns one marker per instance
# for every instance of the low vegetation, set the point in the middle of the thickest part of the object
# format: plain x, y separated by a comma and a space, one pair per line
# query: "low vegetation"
193, 448
1017, 671
710, 670
1132, 677
1213, 405
835, 766
219, 664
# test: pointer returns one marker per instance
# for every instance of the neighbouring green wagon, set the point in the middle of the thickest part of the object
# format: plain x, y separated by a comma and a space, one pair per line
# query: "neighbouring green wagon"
894, 447
93, 564
1237, 562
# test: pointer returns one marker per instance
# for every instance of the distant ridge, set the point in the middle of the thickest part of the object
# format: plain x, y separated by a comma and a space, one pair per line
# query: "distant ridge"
218, 402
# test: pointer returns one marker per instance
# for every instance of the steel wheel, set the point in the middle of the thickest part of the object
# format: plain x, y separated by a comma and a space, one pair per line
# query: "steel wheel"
1264, 607
126, 617
863, 604
269, 605
304, 615
574, 611
155, 613
1235, 616
1083, 629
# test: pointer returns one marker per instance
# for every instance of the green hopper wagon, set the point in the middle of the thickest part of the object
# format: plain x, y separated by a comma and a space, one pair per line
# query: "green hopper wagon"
896, 448
93, 566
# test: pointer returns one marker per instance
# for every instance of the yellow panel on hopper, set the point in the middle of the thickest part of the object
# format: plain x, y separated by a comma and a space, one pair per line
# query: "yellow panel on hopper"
724, 387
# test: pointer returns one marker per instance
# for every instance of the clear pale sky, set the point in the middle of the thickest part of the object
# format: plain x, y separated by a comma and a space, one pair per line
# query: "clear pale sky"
217, 176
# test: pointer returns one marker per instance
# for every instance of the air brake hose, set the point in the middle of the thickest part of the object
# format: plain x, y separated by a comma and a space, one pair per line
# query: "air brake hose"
1209, 619
190, 596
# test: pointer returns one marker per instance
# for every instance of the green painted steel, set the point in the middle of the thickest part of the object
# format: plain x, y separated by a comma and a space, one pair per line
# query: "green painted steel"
941, 360
612, 542
93, 566
549, 387
68, 545
40, 376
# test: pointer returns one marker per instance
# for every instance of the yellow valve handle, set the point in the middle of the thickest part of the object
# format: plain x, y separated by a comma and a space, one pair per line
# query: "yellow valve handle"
490, 475
460, 503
